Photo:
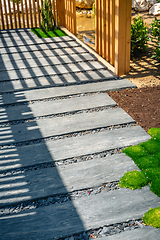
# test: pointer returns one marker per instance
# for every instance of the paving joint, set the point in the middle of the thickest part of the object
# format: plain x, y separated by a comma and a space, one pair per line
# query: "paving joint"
57, 115
68, 135
58, 198
73, 160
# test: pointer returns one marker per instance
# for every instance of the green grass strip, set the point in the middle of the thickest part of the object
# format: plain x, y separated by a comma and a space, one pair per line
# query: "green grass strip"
50, 34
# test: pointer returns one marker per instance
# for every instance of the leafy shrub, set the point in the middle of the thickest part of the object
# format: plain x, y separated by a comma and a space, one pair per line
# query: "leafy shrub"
155, 187
155, 29
48, 21
139, 36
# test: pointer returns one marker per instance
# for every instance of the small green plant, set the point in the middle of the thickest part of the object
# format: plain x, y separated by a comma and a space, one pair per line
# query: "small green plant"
155, 187
139, 36
152, 217
155, 29
48, 21
133, 180
93, 10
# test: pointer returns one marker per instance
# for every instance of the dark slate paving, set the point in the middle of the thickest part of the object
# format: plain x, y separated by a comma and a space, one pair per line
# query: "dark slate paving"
42, 46
22, 41
61, 149
69, 124
55, 107
65, 91
60, 80
60, 180
46, 61
60, 220
40, 53
146, 233
50, 70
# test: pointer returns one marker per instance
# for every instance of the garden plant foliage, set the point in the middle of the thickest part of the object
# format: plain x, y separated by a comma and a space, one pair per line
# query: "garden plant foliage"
155, 29
152, 217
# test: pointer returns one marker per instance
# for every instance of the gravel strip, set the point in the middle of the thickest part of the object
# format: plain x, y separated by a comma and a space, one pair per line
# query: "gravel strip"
68, 135
62, 162
107, 230
111, 186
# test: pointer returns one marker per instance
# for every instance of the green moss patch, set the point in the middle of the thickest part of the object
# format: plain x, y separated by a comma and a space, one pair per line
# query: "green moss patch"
152, 217
146, 156
133, 180
135, 152
50, 34
155, 187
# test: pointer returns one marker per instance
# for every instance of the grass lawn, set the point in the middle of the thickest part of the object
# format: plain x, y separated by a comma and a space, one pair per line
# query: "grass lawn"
51, 34
146, 156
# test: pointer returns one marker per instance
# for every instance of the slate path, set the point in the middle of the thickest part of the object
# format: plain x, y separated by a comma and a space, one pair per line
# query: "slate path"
61, 135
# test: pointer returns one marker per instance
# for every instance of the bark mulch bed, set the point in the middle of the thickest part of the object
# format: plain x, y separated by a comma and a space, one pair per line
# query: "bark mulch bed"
142, 104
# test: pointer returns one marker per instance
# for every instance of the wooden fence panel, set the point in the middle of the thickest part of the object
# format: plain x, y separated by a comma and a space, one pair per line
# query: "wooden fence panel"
113, 32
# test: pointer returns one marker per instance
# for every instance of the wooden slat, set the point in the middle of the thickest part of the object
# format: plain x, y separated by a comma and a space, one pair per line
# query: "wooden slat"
96, 26
104, 28
61, 8
22, 14
74, 26
14, 15
30, 10
34, 14
38, 12
18, 13
100, 27
112, 32
10, 15
26, 13
2, 18
128, 35
6, 15
108, 30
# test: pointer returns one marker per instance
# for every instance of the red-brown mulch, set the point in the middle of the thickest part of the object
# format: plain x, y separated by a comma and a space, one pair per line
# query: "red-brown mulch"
142, 104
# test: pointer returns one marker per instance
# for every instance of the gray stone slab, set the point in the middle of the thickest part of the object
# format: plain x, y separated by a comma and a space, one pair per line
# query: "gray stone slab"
42, 46
65, 91
49, 151
61, 220
40, 53
50, 70
45, 61
64, 125
55, 107
17, 34
22, 41
62, 179
58, 80
146, 233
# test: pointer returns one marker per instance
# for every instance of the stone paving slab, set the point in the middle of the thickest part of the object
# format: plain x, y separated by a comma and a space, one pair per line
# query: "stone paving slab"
55, 107
49, 151
39, 54
22, 41
61, 220
50, 70
146, 233
59, 80
39, 47
46, 61
63, 179
47, 127
65, 91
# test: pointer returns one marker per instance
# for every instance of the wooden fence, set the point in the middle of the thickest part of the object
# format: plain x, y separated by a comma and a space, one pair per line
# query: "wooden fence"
27, 14
113, 32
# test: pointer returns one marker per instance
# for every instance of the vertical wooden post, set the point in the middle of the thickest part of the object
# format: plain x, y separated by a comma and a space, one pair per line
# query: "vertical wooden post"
104, 28
107, 30
61, 12
2, 18
112, 32
73, 9
122, 36
5, 14
22, 10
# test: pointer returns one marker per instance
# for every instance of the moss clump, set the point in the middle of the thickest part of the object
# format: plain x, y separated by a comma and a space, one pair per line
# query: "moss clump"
152, 174
133, 180
152, 146
135, 152
50, 34
152, 217
155, 133
155, 187
147, 162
